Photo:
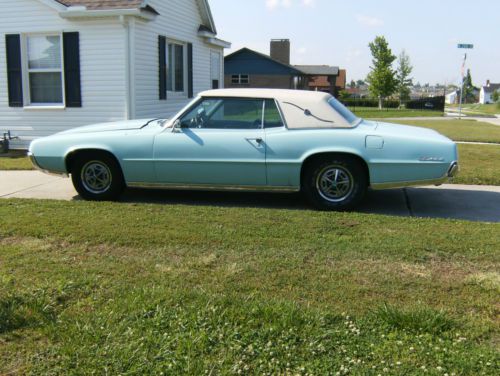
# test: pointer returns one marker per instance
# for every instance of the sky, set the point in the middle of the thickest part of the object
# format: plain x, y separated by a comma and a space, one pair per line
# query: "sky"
337, 32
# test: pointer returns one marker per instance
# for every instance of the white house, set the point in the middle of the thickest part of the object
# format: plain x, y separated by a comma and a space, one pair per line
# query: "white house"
67, 63
485, 95
453, 97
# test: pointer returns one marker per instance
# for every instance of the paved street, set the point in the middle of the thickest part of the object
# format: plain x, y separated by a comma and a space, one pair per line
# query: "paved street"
476, 203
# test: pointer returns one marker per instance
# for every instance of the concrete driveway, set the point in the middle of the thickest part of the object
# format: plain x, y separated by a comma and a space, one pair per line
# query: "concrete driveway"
475, 203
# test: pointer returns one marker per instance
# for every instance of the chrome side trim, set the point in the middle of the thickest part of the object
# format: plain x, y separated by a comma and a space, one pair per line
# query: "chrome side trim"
403, 184
35, 164
207, 187
452, 172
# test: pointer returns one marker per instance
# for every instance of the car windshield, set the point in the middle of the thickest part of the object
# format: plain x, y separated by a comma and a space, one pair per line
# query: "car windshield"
344, 112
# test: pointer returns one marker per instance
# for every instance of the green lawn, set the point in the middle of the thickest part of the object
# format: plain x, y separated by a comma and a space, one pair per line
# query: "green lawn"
479, 165
370, 112
476, 108
136, 289
460, 130
15, 163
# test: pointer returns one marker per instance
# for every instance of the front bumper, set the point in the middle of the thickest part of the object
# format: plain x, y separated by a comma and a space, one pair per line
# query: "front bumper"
35, 164
451, 173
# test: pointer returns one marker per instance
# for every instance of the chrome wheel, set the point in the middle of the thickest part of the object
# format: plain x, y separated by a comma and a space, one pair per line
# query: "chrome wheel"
96, 177
334, 183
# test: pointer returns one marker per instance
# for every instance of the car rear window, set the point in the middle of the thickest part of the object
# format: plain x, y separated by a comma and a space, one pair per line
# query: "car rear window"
343, 111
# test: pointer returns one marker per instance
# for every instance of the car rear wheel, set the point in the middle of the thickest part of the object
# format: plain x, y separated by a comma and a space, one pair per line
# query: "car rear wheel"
97, 177
335, 183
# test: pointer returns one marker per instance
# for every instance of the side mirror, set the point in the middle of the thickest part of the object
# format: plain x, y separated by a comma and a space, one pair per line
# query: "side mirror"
177, 126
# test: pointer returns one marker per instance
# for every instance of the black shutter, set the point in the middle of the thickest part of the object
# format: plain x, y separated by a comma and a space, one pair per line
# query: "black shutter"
72, 84
14, 70
162, 66
190, 70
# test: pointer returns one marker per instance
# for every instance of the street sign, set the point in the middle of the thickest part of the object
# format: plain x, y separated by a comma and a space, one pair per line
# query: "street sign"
466, 46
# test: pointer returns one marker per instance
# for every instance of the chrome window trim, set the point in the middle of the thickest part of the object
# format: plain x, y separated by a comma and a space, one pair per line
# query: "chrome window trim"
261, 128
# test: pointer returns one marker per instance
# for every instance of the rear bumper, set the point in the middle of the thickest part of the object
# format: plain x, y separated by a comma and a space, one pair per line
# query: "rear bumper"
451, 173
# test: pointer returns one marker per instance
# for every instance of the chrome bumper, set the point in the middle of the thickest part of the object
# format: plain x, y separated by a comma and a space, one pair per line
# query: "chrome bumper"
451, 173
453, 170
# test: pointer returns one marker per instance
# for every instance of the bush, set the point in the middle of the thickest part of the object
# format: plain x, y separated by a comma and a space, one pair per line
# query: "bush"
368, 102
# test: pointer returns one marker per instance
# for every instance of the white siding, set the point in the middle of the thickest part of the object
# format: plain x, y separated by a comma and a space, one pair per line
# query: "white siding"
178, 20
102, 60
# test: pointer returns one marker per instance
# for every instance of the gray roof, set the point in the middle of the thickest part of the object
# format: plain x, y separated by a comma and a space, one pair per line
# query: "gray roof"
203, 5
491, 88
104, 4
318, 70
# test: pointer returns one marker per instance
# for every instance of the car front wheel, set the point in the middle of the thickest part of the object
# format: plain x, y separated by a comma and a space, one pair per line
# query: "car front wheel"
335, 183
97, 177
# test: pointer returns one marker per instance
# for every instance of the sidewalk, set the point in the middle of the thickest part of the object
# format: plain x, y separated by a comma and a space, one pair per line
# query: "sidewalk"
475, 203
489, 120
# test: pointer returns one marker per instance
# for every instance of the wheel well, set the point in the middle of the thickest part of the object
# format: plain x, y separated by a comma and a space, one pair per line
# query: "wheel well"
320, 156
71, 157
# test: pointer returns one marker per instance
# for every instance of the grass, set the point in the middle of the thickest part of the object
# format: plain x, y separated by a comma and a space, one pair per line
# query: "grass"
15, 163
479, 165
370, 112
479, 109
87, 288
460, 130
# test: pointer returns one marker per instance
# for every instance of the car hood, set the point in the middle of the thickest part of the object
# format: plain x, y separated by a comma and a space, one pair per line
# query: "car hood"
110, 127
408, 131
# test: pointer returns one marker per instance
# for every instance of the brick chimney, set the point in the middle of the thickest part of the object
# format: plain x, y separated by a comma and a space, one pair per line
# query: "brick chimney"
280, 50
487, 83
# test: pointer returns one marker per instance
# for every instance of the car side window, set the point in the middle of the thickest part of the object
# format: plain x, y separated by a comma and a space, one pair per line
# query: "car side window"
225, 113
272, 116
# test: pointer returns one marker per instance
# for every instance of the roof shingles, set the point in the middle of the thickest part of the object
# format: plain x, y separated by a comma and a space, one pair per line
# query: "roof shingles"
104, 4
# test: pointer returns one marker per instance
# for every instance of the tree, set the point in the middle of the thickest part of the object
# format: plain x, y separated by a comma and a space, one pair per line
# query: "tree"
352, 85
360, 83
382, 78
404, 81
495, 96
469, 88
344, 94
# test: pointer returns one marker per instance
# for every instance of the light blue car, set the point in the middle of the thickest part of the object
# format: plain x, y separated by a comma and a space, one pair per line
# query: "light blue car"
255, 140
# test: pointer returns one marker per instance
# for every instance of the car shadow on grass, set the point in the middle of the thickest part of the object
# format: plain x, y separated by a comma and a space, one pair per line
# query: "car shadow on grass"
375, 202
473, 205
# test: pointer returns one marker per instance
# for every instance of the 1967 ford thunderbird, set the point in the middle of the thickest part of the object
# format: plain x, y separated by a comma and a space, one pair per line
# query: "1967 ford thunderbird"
251, 139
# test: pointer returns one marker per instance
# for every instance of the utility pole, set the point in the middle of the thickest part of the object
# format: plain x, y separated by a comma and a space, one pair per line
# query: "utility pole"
467, 47
462, 89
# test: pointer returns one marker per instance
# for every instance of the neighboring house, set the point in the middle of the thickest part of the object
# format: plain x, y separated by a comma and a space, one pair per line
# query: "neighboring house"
246, 68
453, 97
486, 93
322, 83
358, 92
68, 63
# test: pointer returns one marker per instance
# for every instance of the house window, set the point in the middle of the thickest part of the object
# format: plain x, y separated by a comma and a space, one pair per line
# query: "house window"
215, 71
240, 79
43, 69
176, 67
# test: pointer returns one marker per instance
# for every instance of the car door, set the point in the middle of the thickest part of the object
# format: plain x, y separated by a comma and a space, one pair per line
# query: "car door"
218, 142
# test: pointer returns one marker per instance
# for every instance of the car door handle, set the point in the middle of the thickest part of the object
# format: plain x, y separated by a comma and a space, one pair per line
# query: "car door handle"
258, 140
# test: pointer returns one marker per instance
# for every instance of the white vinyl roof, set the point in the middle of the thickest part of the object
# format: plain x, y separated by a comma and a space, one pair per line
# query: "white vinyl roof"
301, 109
